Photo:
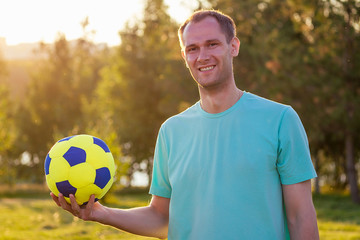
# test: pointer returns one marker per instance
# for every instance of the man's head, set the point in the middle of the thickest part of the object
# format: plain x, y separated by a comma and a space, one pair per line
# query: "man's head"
208, 48
227, 25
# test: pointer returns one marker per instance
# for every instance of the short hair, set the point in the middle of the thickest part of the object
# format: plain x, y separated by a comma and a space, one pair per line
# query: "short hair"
227, 24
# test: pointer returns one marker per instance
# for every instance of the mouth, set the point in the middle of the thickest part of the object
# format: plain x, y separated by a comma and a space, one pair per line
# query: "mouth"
205, 69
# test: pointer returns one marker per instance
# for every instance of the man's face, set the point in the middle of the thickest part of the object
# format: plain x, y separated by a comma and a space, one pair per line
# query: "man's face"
207, 53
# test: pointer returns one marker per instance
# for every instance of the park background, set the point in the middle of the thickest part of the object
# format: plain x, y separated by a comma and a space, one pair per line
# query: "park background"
302, 53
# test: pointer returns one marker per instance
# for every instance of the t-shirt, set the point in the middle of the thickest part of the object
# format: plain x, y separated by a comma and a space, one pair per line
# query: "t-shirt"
223, 172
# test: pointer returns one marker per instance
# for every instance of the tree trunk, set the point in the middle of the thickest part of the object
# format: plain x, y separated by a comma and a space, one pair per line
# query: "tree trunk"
348, 64
350, 167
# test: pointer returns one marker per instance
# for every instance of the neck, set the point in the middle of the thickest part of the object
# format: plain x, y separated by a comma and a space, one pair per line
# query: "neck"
215, 101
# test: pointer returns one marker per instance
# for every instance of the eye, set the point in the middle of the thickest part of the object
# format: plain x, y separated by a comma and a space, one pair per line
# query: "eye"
191, 49
213, 44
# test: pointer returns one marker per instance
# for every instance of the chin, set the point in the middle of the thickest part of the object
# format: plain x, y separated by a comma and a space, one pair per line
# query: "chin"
210, 86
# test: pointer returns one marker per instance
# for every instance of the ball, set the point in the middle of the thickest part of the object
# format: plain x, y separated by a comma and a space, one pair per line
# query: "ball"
81, 165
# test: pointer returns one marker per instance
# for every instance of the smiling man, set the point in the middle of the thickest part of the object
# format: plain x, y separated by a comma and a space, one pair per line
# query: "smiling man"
232, 166
232, 163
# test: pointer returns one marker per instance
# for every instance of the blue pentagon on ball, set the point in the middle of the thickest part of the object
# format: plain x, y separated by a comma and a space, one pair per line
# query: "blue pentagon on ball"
75, 156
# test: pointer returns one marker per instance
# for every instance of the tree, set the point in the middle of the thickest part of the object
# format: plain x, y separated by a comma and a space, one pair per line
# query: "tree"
65, 81
8, 131
341, 53
145, 82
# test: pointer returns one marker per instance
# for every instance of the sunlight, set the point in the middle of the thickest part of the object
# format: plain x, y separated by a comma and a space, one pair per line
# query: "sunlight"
41, 20
32, 21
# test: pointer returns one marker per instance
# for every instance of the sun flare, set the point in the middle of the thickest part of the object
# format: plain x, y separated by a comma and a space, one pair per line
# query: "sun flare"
41, 20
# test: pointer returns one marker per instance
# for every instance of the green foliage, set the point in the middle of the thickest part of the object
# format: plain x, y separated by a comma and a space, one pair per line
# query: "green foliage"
57, 94
142, 86
8, 130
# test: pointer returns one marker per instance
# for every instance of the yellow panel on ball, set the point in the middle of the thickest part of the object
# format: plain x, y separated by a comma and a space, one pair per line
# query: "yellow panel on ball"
111, 161
97, 157
81, 175
59, 149
83, 194
59, 169
51, 184
81, 141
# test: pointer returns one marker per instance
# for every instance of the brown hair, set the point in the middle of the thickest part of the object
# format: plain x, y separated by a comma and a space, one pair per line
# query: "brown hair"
227, 24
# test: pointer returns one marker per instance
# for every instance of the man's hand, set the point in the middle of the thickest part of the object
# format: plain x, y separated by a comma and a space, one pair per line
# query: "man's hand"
150, 221
86, 212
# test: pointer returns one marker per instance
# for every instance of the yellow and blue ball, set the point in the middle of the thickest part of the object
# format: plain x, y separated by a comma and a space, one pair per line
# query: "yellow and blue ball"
81, 165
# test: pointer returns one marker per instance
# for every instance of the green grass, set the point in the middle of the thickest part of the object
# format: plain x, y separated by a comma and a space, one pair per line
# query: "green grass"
39, 218
30, 216
338, 217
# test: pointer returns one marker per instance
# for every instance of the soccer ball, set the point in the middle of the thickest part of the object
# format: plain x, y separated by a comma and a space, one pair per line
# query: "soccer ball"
81, 165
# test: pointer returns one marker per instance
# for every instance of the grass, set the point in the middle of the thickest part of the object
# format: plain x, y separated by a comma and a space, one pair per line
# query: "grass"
338, 217
27, 218
27, 215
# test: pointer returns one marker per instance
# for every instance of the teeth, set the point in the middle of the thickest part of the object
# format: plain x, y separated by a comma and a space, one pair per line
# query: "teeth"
206, 68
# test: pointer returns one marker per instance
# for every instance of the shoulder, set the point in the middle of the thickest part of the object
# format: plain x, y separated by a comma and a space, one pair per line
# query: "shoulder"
189, 113
182, 118
256, 101
263, 106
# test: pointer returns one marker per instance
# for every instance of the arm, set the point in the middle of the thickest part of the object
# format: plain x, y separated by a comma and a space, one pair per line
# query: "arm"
151, 221
300, 211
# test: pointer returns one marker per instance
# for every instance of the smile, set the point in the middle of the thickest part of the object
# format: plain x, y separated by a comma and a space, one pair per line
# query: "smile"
204, 69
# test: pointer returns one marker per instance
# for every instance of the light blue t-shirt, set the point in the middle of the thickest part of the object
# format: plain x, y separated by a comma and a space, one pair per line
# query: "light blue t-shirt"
223, 172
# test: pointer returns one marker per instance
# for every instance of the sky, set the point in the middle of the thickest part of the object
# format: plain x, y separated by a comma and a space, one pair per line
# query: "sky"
30, 21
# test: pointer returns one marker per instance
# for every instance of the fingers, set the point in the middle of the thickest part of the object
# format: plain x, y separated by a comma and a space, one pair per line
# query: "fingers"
74, 206
91, 202
55, 198
89, 206
66, 206
83, 212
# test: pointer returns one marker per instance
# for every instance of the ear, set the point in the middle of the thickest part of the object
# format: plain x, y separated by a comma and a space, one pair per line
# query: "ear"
183, 53
184, 57
235, 46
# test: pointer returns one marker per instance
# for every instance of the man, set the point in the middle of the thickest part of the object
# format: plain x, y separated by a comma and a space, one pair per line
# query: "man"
233, 166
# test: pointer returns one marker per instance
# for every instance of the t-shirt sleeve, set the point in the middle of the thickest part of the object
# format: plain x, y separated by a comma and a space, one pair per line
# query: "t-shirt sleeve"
294, 161
160, 184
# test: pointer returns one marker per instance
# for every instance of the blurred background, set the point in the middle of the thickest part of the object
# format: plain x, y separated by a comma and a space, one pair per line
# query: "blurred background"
113, 69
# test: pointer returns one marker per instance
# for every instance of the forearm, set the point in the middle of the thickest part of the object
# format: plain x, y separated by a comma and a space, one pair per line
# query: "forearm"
300, 211
304, 226
145, 221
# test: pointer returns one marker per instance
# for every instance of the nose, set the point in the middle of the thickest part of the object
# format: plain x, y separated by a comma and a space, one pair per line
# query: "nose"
203, 55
